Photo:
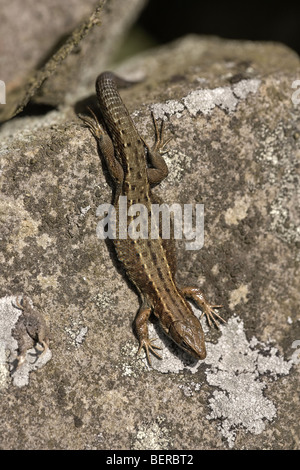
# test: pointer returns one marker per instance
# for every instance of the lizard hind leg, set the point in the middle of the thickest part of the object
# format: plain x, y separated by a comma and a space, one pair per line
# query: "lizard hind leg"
155, 154
105, 145
208, 309
92, 123
160, 144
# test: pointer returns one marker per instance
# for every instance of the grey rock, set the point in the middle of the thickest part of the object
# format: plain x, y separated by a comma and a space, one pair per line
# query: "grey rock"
236, 130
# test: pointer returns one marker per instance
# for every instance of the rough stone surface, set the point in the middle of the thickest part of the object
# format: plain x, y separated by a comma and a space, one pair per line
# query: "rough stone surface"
68, 46
30, 30
236, 130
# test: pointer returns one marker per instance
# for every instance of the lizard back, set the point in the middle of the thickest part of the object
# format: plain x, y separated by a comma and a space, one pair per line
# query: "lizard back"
149, 262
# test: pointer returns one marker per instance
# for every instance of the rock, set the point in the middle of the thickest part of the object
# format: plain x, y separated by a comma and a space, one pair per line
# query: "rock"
63, 42
231, 111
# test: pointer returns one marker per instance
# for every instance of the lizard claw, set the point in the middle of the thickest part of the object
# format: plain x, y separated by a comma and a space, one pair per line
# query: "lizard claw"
207, 309
210, 313
92, 123
147, 344
159, 143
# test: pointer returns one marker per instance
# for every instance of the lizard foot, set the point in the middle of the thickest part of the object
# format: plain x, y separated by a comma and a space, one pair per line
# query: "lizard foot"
208, 309
147, 344
159, 133
210, 313
92, 122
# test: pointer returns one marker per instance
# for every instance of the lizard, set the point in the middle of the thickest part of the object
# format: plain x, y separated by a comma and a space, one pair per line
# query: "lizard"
150, 264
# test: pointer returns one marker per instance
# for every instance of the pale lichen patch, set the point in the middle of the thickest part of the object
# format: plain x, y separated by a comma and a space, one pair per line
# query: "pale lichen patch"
236, 366
234, 369
238, 212
238, 295
48, 281
206, 100
154, 436
9, 315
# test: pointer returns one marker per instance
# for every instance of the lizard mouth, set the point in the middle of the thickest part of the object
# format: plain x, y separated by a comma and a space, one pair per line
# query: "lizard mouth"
189, 340
199, 353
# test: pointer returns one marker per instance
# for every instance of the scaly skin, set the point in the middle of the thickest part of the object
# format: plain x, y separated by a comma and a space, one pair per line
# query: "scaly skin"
150, 264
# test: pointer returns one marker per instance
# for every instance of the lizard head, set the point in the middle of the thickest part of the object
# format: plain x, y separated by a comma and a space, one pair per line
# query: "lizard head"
188, 334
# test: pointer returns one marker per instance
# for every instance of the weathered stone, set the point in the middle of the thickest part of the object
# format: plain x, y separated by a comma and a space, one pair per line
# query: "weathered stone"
37, 64
235, 122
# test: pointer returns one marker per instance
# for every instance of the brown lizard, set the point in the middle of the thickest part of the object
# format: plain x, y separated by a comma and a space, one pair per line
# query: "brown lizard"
150, 264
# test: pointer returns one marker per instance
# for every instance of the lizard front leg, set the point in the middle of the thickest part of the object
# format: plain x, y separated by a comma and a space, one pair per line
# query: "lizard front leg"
208, 309
141, 326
